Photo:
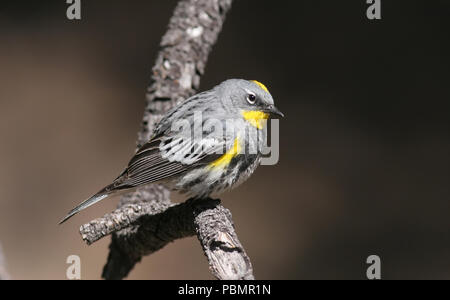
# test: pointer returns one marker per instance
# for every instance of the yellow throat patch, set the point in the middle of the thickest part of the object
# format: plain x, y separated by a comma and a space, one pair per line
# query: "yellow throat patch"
261, 85
225, 159
256, 118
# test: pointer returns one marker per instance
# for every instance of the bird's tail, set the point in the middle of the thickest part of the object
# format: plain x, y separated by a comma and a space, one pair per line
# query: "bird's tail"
86, 203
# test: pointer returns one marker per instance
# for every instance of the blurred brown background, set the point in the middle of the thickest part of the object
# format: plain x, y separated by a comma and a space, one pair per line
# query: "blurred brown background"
364, 163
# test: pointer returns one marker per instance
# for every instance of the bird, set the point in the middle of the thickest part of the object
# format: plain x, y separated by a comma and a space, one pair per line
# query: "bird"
207, 144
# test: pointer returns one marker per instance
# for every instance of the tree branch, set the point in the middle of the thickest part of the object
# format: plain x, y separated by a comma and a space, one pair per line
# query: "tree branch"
147, 220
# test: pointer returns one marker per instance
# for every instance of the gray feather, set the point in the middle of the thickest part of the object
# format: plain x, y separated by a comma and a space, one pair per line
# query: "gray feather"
83, 205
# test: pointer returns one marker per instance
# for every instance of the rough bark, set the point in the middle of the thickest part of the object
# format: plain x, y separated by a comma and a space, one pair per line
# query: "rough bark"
3, 273
147, 220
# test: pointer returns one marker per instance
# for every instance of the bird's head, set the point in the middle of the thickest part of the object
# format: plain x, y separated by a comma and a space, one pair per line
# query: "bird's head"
250, 99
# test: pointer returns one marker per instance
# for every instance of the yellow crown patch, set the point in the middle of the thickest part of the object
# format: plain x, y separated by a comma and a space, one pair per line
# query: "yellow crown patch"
261, 85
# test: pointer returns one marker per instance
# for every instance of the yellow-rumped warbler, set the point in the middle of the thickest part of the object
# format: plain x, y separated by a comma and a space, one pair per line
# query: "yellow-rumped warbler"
203, 157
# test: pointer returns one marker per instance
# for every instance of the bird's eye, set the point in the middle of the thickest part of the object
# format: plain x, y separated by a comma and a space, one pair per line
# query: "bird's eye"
251, 98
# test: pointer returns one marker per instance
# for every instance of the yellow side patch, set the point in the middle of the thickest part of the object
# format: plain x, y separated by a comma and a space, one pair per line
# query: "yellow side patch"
225, 159
256, 118
261, 85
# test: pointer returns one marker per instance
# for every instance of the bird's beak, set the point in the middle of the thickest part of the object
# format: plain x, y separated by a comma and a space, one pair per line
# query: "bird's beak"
272, 110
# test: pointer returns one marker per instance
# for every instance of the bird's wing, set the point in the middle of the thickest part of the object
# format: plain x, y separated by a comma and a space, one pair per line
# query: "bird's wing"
160, 158
165, 157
